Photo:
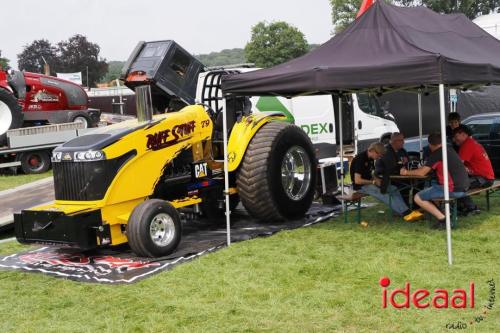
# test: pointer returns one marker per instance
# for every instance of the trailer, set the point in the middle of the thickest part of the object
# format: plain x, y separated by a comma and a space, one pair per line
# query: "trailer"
30, 148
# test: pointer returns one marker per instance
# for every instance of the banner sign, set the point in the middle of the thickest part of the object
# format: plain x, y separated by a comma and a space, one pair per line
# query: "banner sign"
73, 77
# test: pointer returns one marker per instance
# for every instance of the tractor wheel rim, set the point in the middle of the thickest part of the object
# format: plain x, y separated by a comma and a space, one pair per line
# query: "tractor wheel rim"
83, 121
34, 161
162, 229
296, 173
5, 118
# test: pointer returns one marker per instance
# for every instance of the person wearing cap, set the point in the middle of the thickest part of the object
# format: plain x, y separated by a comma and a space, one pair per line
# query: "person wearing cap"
458, 180
361, 170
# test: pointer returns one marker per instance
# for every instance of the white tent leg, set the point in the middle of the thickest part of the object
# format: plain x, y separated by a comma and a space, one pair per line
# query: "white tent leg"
341, 137
226, 172
445, 172
421, 150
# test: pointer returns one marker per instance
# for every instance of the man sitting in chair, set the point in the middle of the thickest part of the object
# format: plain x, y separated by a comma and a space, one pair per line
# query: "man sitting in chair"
361, 170
458, 181
393, 160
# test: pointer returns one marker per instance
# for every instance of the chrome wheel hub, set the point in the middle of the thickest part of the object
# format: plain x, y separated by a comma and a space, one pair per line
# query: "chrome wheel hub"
296, 173
162, 229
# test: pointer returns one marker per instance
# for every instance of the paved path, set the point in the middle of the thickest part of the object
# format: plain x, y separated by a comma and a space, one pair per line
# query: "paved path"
23, 197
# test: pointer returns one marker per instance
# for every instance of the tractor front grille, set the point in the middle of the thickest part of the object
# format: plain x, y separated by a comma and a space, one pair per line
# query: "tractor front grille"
86, 181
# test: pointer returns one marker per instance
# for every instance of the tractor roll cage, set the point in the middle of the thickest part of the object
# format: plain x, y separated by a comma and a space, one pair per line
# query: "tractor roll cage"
211, 93
211, 96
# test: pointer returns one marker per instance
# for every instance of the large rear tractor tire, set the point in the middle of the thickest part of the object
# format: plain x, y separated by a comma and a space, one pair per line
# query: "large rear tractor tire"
11, 115
276, 178
154, 229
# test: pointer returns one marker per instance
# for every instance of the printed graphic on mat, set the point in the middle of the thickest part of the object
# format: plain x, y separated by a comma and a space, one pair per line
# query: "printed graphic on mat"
82, 264
89, 268
117, 266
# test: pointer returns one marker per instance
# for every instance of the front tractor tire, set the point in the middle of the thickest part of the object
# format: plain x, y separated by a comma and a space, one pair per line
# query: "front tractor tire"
276, 178
154, 229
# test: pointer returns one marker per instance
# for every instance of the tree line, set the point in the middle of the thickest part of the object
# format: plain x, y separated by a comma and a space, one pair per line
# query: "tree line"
77, 54
271, 43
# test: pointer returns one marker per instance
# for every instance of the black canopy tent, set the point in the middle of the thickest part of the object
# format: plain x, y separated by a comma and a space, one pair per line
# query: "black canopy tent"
387, 48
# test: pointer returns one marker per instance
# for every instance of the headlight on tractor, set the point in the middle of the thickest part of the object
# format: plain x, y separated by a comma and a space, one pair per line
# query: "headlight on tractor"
56, 156
79, 156
88, 156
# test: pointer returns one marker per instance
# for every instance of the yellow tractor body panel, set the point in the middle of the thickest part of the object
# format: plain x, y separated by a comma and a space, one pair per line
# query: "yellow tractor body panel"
137, 178
241, 135
67, 207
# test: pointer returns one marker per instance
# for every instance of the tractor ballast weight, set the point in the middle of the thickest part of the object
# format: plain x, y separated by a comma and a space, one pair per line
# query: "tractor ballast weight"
134, 181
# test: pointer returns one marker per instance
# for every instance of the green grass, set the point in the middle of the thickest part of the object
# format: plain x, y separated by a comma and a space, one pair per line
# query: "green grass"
11, 181
318, 279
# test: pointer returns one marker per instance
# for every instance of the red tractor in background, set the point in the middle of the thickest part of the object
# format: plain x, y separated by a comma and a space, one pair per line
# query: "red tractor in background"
30, 99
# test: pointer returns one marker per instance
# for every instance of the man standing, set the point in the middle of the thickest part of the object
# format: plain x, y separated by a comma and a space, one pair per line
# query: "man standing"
361, 170
477, 164
393, 160
458, 181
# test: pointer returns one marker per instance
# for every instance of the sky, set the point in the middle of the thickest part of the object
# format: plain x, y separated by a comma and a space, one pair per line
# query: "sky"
117, 25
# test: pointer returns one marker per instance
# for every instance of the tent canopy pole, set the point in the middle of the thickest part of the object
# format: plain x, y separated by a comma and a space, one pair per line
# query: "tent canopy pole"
341, 141
226, 172
421, 150
444, 151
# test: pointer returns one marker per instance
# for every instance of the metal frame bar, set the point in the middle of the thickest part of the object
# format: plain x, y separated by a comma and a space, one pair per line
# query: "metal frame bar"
226, 172
445, 172
341, 139
421, 148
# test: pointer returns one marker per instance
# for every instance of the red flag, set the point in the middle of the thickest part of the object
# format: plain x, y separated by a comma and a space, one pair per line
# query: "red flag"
364, 7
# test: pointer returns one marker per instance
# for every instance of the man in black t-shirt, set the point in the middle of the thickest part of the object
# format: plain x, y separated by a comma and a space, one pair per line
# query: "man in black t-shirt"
363, 181
458, 180
393, 160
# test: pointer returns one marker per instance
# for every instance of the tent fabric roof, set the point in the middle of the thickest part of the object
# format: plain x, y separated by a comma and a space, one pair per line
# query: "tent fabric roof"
386, 47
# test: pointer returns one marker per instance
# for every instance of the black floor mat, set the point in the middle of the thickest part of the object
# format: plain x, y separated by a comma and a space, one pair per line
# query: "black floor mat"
120, 265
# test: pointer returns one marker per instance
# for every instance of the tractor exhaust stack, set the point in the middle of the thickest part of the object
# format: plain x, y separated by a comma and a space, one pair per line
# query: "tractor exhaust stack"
144, 103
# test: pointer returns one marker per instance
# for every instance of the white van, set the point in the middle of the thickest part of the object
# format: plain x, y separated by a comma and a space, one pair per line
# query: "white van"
364, 120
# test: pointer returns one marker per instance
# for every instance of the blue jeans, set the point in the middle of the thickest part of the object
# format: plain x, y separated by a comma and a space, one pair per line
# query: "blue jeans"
437, 191
397, 203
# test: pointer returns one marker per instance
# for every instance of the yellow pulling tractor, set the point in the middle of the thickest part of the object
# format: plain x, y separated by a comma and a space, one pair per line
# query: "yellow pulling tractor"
134, 181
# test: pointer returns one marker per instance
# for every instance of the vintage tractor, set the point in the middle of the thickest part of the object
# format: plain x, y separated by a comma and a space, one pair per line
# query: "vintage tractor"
134, 181
31, 98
